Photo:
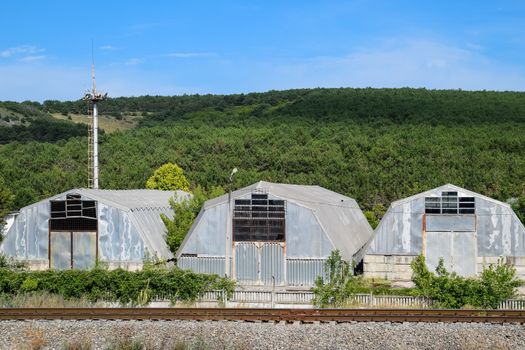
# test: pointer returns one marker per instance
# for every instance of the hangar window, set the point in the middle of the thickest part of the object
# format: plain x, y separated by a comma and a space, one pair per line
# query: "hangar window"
450, 203
73, 214
259, 219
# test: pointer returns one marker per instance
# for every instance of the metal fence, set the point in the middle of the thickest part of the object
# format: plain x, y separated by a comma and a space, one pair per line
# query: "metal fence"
358, 300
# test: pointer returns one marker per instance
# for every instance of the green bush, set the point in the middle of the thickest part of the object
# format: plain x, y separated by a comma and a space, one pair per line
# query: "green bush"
338, 284
118, 285
448, 290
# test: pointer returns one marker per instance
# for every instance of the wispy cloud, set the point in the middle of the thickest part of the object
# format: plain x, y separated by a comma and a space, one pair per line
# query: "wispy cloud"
107, 47
190, 54
33, 58
397, 63
133, 61
20, 50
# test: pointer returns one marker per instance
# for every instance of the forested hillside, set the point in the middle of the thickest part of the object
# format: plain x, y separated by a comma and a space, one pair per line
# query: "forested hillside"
376, 145
28, 121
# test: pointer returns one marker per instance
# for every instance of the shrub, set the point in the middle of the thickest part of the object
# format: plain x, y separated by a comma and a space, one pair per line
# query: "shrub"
448, 290
340, 283
126, 287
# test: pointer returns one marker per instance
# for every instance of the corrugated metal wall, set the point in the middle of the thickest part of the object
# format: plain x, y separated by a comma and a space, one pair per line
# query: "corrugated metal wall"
210, 264
246, 263
272, 263
303, 272
257, 263
499, 231
119, 239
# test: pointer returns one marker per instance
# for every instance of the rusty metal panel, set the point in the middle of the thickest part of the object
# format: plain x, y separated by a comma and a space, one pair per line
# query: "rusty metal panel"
84, 250
246, 263
60, 250
272, 263
304, 272
202, 264
456, 223
458, 250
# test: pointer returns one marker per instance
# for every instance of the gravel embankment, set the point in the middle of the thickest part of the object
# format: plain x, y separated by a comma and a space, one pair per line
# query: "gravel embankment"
242, 335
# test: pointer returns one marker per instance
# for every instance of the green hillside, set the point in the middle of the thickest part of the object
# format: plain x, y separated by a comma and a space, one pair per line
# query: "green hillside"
375, 145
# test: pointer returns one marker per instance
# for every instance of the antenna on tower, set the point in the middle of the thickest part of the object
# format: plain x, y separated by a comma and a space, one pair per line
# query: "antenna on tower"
93, 97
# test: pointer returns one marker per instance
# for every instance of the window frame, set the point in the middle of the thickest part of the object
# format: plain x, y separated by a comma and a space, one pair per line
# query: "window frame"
259, 219
450, 203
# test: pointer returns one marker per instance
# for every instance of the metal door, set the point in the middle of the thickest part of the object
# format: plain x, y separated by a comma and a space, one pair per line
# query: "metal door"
272, 264
458, 250
84, 250
246, 263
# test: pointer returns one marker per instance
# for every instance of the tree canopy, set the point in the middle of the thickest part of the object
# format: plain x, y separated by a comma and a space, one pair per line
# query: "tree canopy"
169, 177
374, 145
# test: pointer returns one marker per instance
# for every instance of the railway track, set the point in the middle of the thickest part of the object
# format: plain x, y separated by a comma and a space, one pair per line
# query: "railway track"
266, 315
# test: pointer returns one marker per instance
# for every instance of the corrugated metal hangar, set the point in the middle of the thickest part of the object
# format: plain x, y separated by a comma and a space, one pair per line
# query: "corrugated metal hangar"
269, 233
466, 229
74, 228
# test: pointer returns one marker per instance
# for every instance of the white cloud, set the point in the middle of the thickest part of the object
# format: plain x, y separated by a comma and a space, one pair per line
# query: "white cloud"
107, 47
133, 61
33, 58
19, 50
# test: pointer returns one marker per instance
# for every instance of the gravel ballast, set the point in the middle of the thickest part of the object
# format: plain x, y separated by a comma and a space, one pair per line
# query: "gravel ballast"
56, 334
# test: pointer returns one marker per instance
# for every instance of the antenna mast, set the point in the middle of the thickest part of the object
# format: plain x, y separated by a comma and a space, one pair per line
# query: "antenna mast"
93, 97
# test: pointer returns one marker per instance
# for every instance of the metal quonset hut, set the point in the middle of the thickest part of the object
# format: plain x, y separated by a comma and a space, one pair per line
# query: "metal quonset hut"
270, 233
466, 229
74, 228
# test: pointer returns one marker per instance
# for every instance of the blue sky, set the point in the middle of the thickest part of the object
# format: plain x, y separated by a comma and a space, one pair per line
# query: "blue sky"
177, 47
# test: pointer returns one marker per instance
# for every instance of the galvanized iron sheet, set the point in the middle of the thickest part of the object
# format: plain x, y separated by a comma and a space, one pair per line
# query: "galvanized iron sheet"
451, 223
272, 263
129, 225
246, 263
458, 250
304, 272
338, 217
499, 231
208, 264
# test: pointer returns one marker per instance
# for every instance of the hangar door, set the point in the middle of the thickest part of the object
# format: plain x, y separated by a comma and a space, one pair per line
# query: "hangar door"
259, 240
73, 233
450, 226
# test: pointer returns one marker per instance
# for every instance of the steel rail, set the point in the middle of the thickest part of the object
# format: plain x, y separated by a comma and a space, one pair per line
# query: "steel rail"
266, 315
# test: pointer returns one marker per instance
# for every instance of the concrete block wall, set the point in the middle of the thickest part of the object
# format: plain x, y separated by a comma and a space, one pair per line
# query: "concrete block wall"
395, 268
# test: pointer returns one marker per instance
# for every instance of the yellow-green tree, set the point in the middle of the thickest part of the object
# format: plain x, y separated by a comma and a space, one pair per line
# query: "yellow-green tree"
169, 177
